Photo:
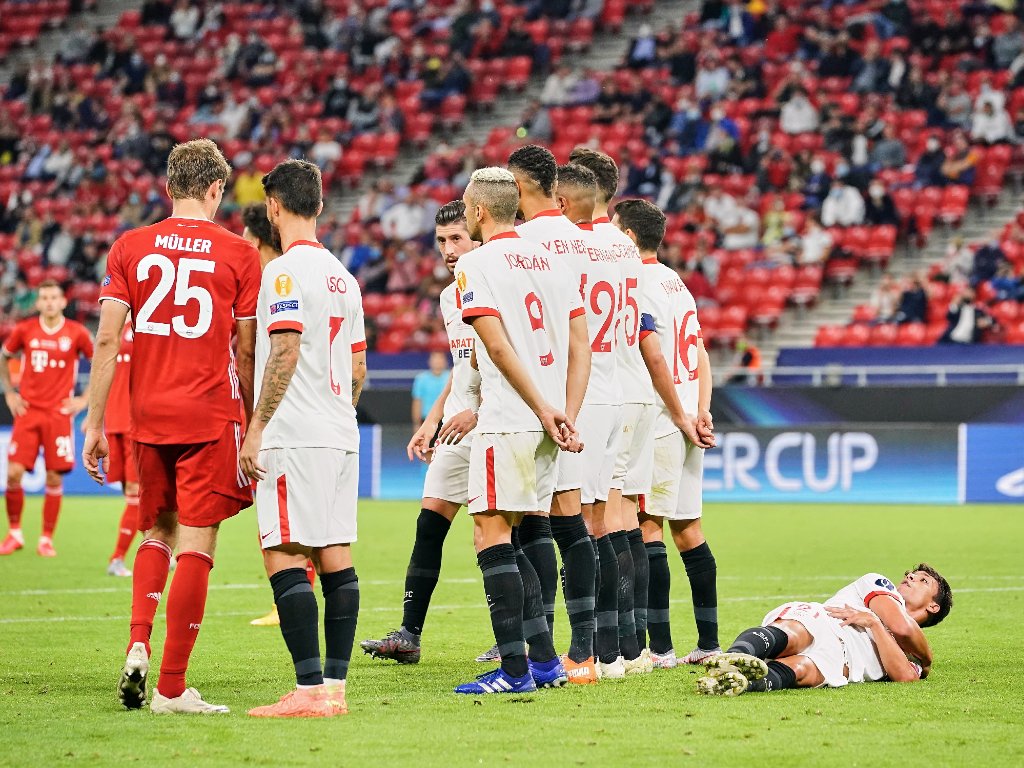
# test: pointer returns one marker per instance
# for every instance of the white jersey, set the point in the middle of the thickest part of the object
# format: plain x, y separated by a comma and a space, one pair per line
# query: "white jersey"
674, 313
308, 290
465, 389
861, 654
519, 282
600, 287
633, 375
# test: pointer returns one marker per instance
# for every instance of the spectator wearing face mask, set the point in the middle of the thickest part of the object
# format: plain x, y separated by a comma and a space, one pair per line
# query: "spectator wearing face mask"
966, 321
928, 171
798, 114
818, 184
844, 207
879, 207
991, 126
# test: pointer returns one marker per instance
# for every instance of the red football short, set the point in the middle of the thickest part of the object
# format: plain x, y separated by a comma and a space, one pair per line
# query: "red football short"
50, 430
200, 480
122, 459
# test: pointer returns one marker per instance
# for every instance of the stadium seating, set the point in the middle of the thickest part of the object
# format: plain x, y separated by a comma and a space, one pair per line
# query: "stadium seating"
755, 286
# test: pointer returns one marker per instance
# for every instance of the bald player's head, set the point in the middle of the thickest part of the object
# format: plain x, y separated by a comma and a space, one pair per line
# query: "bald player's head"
576, 192
491, 198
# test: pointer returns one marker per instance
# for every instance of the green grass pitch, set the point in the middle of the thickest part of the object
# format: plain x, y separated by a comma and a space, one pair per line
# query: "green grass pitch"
63, 628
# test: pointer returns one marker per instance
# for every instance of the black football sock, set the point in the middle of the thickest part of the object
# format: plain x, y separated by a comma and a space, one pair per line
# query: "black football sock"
300, 626
424, 569
779, 677
341, 611
577, 552
539, 546
503, 586
763, 642
641, 580
703, 575
535, 625
606, 638
659, 584
627, 622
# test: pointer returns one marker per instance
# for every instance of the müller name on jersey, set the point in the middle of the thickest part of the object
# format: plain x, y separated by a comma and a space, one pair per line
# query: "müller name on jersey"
176, 243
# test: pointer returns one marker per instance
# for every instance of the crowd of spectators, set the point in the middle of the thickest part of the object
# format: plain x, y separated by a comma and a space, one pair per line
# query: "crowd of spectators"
790, 137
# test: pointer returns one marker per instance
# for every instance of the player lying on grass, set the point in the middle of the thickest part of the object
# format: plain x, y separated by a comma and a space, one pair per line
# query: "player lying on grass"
868, 631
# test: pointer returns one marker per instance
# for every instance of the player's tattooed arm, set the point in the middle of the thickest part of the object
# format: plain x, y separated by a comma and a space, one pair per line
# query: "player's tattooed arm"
358, 375
281, 364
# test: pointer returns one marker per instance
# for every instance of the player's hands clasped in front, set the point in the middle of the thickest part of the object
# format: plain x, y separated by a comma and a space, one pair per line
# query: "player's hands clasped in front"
458, 426
561, 430
248, 457
16, 404
95, 451
851, 617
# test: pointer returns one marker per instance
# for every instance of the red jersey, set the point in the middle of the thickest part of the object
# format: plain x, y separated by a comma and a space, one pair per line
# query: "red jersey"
185, 281
50, 363
118, 418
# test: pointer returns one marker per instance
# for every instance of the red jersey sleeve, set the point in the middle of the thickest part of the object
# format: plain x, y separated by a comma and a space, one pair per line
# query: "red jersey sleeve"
248, 284
114, 284
14, 342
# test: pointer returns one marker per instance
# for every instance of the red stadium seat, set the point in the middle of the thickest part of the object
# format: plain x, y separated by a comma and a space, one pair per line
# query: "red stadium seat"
883, 335
881, 244
830, 336
517, 75
911, 335
954, 204
856, 336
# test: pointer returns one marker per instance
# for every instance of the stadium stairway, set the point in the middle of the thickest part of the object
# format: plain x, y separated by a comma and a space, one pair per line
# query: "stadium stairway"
796, 330
607, 50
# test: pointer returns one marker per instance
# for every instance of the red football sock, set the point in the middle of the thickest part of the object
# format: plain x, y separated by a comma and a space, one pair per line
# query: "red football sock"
127, 527
152, 563
15, 498
310, 572
51, 509
185, 608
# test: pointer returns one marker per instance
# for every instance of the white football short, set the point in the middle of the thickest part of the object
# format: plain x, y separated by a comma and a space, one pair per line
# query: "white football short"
678, 472
634, 466
828, 651
590, 470
512, 472
448, 473
308, 497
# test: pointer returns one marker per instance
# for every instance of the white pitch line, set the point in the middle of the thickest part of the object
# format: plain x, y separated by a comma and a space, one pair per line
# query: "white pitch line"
476, 606
126, 588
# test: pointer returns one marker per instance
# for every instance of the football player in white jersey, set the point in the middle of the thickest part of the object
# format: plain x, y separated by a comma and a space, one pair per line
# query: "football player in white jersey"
623, 547
445, 489
536, 173
678, 461
533, 354
302, 445
870, 630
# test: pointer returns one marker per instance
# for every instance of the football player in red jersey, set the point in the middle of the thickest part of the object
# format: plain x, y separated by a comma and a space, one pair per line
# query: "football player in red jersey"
189, 284
117, 427
43, 408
